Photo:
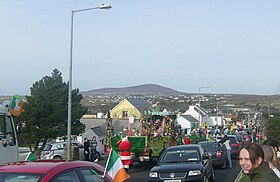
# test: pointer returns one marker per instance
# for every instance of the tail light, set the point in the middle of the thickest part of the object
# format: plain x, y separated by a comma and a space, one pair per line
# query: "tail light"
47, 152
235, 145
218, 154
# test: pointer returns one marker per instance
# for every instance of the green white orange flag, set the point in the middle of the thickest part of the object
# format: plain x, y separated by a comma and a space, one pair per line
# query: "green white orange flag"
114, 167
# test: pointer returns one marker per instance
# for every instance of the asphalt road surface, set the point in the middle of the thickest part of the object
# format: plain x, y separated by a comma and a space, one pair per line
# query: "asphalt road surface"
139, 172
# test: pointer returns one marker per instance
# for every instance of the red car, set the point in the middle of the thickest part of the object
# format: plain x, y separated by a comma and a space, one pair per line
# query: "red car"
53, 171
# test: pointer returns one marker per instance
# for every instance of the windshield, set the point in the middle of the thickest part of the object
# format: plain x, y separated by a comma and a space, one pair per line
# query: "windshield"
19, 177
174, 156
210, 147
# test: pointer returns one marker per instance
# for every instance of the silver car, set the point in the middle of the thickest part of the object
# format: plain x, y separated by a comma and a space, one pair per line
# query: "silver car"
57, 150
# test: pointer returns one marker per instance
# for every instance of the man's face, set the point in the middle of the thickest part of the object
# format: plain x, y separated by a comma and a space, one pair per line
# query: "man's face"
244, 161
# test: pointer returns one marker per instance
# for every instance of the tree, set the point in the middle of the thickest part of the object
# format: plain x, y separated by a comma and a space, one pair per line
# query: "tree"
46, 110
272, 128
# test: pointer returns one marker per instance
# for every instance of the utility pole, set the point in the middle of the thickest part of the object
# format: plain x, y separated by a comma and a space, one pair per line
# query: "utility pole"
268, 108
199, 88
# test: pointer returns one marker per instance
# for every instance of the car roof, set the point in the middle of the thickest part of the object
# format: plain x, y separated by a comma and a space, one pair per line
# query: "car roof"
190, 146
44, 166
208, 142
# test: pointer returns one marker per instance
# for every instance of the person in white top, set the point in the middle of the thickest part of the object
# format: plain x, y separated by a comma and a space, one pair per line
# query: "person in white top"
225, 141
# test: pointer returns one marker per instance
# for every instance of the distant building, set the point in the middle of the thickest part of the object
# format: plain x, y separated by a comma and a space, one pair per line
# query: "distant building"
187, 121
118, 124
216, 119
99, 132
130, 107
198, 113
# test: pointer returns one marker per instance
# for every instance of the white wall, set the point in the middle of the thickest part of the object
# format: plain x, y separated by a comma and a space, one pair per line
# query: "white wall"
183, 122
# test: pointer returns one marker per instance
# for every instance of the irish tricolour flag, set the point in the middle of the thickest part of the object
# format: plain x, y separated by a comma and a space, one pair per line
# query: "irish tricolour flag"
114, 167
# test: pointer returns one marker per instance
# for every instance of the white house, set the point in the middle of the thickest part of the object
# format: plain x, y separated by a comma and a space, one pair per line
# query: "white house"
201, 116
187, 121
215, 119
198, 113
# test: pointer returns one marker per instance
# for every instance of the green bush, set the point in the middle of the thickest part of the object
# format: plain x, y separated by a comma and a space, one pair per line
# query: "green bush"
272, 128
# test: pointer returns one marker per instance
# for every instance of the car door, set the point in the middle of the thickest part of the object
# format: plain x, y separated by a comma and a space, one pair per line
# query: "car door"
207, 164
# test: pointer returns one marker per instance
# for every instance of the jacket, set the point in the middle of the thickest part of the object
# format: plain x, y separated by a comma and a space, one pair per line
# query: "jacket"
263, 174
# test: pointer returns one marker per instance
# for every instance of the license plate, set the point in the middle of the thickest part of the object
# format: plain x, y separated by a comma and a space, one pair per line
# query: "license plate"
173, 180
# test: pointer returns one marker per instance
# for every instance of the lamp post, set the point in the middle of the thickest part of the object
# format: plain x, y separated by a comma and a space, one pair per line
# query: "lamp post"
199, 103
70, 76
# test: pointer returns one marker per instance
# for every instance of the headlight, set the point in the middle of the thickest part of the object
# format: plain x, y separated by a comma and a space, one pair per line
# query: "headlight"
153, 175
194, 173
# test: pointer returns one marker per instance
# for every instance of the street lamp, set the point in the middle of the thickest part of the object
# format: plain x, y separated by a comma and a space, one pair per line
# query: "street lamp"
70, 76
199, 103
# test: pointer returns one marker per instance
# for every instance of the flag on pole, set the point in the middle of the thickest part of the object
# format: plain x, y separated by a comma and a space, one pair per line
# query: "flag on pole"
114, 167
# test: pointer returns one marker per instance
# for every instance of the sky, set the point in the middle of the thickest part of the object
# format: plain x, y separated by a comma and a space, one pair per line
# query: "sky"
228, 46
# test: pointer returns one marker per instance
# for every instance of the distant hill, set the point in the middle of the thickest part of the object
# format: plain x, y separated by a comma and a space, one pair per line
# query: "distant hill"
140, 89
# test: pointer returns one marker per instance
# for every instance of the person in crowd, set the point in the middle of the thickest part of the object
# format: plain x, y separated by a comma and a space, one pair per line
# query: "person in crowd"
273, 143
251, 160
193, 137
86, 149
93, 145
187, 140
125, 154
225, 142
271, 158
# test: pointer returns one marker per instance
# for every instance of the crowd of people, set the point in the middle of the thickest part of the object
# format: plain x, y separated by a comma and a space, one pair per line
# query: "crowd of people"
90, 149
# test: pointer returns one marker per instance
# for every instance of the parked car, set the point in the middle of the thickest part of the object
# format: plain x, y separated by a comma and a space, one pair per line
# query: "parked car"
234, 144
183, 163
53, 171
56, 151
217, 151
244, 134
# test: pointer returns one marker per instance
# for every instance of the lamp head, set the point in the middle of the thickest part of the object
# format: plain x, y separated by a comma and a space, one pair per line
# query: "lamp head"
105, 6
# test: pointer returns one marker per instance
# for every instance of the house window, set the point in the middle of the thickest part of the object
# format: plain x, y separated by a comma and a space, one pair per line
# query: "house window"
125, 114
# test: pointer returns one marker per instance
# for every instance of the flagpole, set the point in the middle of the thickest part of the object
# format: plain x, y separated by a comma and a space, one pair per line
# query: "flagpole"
107, 163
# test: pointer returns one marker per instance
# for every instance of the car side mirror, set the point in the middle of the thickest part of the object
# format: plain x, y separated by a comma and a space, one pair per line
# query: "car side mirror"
205, 157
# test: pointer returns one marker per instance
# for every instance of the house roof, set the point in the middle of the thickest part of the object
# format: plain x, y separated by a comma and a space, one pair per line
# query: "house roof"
200, 111
190, 118
99, 130
140, 104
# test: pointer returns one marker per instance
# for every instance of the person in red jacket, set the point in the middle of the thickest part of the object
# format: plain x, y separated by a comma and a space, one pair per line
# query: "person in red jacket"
187, 140
126, 158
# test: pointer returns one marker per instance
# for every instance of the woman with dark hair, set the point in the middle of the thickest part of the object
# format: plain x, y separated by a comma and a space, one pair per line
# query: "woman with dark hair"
251, 160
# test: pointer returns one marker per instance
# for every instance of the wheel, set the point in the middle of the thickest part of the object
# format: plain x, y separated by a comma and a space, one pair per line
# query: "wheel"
57, 158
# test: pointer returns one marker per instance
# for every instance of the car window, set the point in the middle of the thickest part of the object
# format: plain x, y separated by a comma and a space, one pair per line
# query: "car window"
70, 176
60, 146
48, 147
19, 177
92, 175
210, 147
180, 156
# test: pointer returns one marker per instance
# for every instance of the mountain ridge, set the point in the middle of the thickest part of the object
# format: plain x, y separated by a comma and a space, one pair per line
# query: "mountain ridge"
139, 89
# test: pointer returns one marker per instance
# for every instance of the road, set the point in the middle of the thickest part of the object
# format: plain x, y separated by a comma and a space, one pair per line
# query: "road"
140, 173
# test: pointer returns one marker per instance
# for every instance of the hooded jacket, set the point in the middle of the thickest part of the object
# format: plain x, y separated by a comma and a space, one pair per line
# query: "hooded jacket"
263, 174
